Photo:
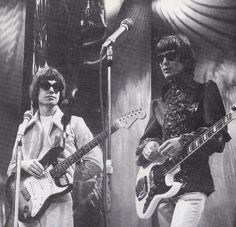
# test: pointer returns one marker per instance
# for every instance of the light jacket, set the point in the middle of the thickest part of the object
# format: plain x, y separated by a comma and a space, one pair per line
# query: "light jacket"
77, 135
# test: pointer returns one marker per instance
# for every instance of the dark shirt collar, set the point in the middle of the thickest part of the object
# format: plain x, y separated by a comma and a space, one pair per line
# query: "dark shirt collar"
181, 83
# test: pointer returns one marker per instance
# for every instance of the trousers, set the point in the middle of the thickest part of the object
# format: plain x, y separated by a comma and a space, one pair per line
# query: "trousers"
184, 211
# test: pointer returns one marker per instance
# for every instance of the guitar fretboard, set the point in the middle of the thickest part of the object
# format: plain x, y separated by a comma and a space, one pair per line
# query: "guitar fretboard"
171, 164
61, 167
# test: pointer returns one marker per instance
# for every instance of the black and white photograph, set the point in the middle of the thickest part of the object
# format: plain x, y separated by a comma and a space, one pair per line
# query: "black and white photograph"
118, 113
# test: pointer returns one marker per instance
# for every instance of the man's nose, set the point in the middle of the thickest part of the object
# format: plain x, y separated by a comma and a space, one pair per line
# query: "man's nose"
165, 60
51, 89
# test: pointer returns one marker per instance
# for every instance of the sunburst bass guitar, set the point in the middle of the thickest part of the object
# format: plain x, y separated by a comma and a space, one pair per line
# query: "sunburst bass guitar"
160, 180
35, 194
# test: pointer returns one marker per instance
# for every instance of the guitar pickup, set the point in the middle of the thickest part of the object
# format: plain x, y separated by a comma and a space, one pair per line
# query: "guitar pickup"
26, 194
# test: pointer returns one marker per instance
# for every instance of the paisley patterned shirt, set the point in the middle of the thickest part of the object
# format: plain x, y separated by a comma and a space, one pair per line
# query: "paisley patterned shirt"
183, 109
181, 104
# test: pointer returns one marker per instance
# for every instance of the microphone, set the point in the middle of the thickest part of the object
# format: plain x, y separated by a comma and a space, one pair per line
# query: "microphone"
21, 130
125, 25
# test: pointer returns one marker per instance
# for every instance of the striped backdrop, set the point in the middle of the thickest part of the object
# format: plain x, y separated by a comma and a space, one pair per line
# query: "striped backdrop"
212, 22
12, 34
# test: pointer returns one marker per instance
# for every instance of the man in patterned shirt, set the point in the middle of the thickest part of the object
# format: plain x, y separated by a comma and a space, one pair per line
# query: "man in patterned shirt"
185, 109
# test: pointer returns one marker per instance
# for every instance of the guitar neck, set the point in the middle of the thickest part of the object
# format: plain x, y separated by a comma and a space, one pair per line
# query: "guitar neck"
61, 167
171, 164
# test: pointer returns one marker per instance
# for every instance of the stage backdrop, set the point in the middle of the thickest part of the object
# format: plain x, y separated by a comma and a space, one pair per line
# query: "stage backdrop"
205, 23
131, 89
12, 26
210, 25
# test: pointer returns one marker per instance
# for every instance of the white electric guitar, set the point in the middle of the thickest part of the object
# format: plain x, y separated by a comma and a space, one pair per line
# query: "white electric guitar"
35, 194
158, 180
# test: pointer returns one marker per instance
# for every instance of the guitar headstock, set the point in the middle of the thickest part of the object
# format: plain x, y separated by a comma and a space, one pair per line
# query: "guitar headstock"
233, 107
128, 119
233, 111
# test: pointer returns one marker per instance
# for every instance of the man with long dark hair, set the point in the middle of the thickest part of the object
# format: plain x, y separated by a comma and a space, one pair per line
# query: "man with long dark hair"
185, 109
46, 130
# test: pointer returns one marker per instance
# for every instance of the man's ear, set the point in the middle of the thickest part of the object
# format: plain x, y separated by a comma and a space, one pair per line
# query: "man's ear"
189, 66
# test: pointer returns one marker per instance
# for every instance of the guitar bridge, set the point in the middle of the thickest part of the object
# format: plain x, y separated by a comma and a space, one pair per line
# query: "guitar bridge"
182, 178
141, 188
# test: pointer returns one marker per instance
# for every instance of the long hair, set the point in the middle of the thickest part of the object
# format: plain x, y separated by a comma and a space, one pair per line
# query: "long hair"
181, 44
47, 73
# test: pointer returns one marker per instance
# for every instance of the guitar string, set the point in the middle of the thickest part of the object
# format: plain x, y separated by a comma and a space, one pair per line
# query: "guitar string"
60, 168
169, 164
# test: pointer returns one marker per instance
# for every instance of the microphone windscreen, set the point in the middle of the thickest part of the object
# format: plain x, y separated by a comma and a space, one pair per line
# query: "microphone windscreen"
28, 115
128, 23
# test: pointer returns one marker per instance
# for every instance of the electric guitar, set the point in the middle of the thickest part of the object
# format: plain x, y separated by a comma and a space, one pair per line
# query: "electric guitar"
35, 194
160, 180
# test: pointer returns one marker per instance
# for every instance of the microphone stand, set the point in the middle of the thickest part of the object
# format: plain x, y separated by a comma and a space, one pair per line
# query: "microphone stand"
108, 170
20, 134
17, 187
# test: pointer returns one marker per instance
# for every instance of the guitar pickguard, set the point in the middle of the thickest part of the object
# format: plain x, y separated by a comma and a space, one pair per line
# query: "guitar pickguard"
36, 193
152, 186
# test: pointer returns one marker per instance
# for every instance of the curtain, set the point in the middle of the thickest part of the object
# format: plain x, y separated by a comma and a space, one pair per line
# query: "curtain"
12, 26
